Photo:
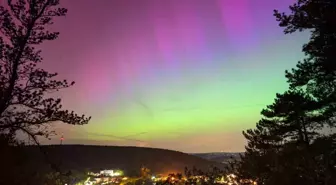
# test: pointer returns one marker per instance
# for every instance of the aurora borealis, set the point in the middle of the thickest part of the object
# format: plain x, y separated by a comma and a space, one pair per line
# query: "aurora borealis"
187, 75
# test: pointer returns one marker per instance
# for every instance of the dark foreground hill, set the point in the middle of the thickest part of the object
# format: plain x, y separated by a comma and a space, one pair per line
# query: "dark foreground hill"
129, 159
220, 157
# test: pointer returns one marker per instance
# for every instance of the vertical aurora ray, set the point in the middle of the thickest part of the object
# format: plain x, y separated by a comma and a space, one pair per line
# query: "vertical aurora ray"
239, 25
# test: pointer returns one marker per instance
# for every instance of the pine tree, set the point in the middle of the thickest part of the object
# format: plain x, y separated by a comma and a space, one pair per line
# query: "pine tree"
289, 145
279, 149
317, 72
25, 104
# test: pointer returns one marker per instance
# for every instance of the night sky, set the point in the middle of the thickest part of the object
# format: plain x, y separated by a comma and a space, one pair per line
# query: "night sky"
187, 75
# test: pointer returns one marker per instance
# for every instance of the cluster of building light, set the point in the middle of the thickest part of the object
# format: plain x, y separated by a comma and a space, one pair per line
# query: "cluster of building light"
231, 179
116, 177
105, 177
107, 173
111, 173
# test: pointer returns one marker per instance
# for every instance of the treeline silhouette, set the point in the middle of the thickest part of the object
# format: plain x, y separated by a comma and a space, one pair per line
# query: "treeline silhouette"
293, 143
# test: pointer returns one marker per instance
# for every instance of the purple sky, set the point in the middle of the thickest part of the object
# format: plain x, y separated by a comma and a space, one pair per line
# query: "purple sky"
187, 75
